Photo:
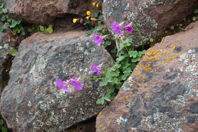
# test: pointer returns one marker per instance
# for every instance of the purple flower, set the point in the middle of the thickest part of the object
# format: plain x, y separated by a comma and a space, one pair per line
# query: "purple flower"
77, 84
116, 28
62, 85
96, 69
129, 28
98, 39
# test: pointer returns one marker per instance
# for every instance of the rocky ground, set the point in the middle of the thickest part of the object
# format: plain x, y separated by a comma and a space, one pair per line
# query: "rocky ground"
161, 94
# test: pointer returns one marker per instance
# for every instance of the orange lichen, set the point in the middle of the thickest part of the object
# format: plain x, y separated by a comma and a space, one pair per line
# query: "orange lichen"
148, 68
148, 96
126, 97
143, 89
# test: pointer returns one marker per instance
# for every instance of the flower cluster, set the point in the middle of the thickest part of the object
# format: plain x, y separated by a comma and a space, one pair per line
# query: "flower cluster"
116, 28
74, 84
88, 13
63, 85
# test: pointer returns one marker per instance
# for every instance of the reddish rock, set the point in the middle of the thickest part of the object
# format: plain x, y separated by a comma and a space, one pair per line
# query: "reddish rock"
152, 17
32, 103
162, 92
45, 11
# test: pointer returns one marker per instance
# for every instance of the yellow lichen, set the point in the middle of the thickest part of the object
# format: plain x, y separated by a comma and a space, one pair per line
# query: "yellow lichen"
173, 48
100, 114
104, 128
108, 122
138, 72
100, 126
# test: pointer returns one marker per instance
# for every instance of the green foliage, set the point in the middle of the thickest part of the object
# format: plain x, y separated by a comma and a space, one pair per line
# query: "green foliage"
196, 11
13, 52
8, 22
2, 128
39, 28
126, 60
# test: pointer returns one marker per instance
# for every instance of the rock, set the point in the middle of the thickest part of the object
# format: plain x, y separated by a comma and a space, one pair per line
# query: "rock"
86, 126
32, 103
151, 17
45, 11
5, 49
161, 95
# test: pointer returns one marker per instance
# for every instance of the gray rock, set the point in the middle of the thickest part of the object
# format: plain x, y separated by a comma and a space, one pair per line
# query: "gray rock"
149, 17
32, 103
5, 49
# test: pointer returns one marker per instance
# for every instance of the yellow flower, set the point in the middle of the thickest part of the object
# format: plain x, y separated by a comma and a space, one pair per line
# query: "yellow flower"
75, 20
97, 5
88, 13
87, 17
93, 19
93, 3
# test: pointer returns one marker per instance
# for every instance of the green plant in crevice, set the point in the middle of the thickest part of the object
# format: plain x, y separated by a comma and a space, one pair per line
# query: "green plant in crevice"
2, 128
13, 52
127, 58
40, 28
14, 24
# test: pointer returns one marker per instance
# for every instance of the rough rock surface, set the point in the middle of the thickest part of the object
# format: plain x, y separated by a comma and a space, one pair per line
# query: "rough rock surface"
5, 49
45, 11
152, 17
161, 95
32, 103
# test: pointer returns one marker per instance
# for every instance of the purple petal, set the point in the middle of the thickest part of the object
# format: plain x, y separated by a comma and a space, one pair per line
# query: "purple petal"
129, 28
116, 28
96, 69
59, 83
98, 39
77, 84
62, 85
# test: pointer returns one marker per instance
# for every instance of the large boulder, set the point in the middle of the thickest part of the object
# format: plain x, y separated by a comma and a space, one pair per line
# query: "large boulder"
161, 95
45, 11
150, 17
32, 103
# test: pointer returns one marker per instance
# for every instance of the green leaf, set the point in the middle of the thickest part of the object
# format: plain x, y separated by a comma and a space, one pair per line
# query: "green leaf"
3, 129
107, 97
3, 18
107, 43
13, 52
196, 11
3, 27
14, 23
49, 30
41, 28
1, 5
120, 58
135, 59
133, 54
5, 11
103, 83
1, 122
100, 101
